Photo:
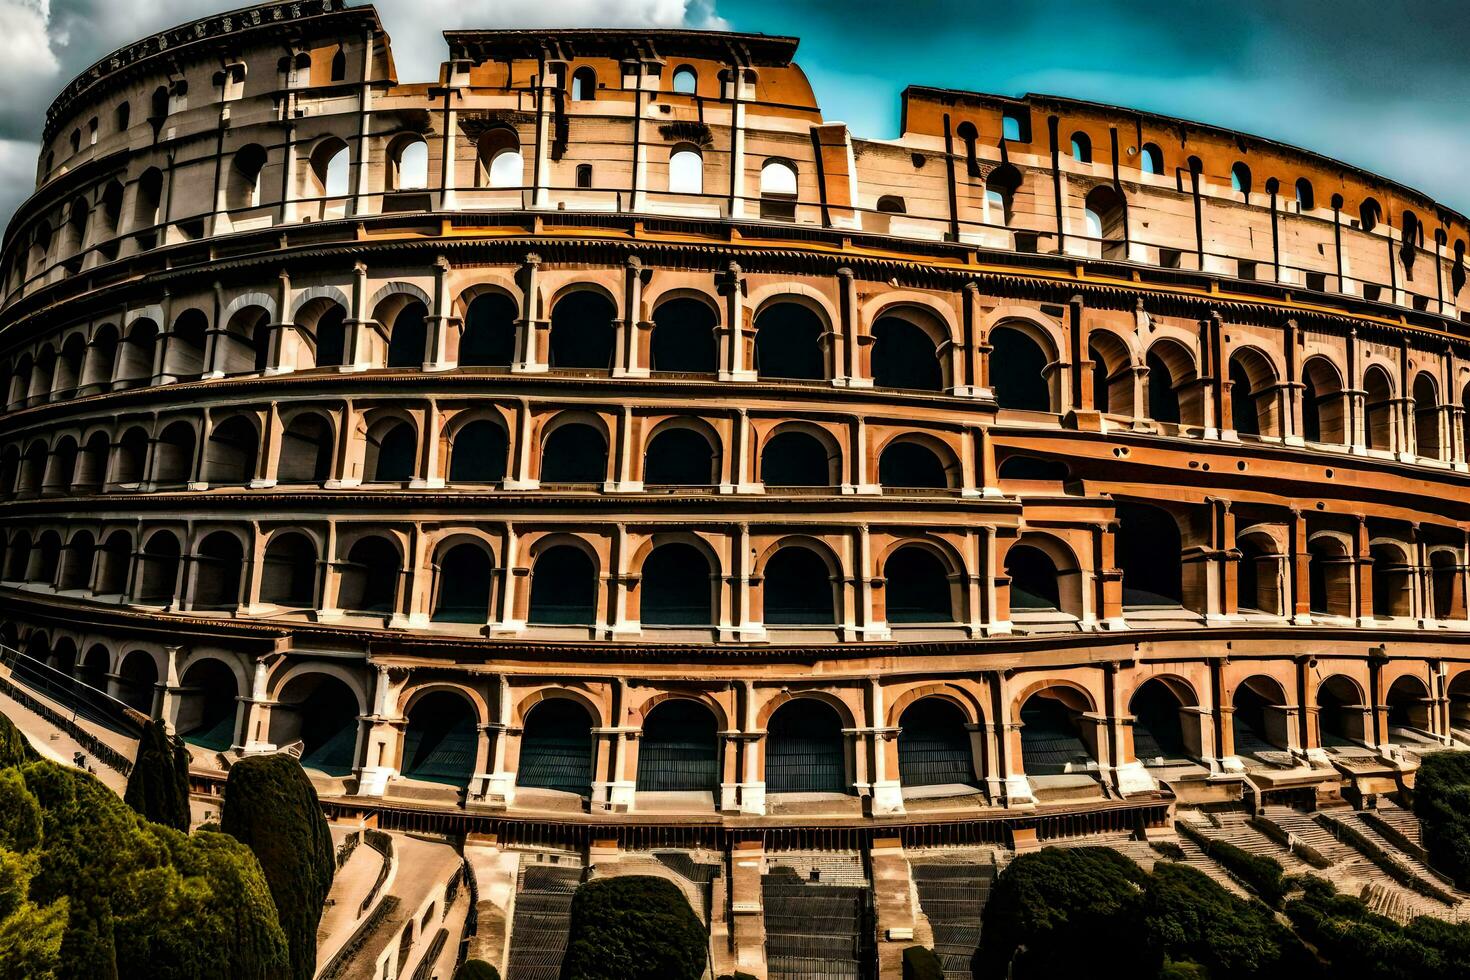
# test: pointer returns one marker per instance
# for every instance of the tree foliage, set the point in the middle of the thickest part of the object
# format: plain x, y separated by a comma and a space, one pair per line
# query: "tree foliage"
1362, 945
476, 970
158, 787
920, 963
633, 927
14, 749
1442, 803
271, 807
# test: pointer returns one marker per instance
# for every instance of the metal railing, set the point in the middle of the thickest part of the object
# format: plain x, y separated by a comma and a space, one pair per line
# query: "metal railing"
24, 677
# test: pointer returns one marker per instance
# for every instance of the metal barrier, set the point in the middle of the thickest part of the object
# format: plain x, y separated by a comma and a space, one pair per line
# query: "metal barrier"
23, 677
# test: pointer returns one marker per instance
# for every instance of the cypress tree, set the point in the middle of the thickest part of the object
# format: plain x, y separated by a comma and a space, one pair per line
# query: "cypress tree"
634, 927
158, 787
14, 749
270, 807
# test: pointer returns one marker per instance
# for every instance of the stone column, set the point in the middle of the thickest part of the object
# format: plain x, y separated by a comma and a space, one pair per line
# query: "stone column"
385, 734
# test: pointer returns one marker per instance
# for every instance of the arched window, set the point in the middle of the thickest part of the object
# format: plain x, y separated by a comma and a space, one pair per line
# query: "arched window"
244, 186
686, 170
160, 573
1170, 369
917, 587
1323, 405
1379, 424
1305, 199
1393, 581
1010, 127
132, 453
891, 204
1081, 148
499, 156
122, 117
788, 343
1033, 576
906, 464
76, 567
1000, 194
805, 749
1240, 178
409, 161
685, 80
409, 337
391, 452
489, 338
1259, 719
231, 453
339, 65
1158, 726
217, 571
1052, 733
330, 332
778, 191
1253, 395
1341, 713
1018, 371
584, 84
678, 456
676, 587
1369, 213
330, 163
1330, 576
1104, 211
184, 350
173, 463
678, 750
318, 713
683, 338
439, 740
934, 745
574, 453
113, 559
582, 334
797, 459
137, 680
369, 577
1426, 416
904, 357
1256, 574
798, 589
288, 575
563, 588
147, 199
1149, 552
464, 585
1151, 159
556, 748
477, 453
306, 450
208, 705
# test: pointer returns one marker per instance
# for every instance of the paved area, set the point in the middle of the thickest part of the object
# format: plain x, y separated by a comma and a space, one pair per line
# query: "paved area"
54, 744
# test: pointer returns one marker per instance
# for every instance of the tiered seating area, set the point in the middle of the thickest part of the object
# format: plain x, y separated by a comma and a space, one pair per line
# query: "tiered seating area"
952, 896
538, 935
818, 918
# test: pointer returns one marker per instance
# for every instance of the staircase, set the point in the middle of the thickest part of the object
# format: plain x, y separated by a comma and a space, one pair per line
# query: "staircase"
543, 915
952, 897
818, 918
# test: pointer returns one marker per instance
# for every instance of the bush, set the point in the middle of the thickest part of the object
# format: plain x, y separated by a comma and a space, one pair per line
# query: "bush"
1442, 803
271, 807
1362, 945
158, 787
920, 963
476, 970
14, 749
1262, 875
634, 927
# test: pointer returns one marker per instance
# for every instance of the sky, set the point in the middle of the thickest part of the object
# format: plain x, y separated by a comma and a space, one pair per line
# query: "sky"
1381, 84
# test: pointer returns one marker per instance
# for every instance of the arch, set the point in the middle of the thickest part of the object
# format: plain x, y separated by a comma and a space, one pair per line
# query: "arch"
441, 738
233, 449
135, 360
1150, 553
684, 336
678, 586
1330, 575
173, 463
1172, 396
78, 561
92, 669
1258, 573
408, 163
584, 84
934, 745
683, 454
686, 80
1151, 159
137, 680
69, 367
1054, 736
1324, 405
563, 587
60, 474
478, 451
183, 354
319, 711
686, 169
114, 560
32, 468
99, 361
242, 190
91, 467
805, 749
917, 586
207, 704
1427, 441
799, 587
790, 342
390, 452
574, 452
800, 457
1342, 713
678, 749
1160, 736
408, 338
331, 162
1259, 721
1104, 211
1034, 579
904, 356
245, 344
778, 190
1081, 147
306, 451
1447, 599
368, 579
1379, 409
1409, 705
158, 581
218, 559
1240, 178
489, 338
498, 158
556, 747
1253, 402
1019, 369
46, 560
1001, 186
132, 456
917, 463
1306, 198
464, 582
582, 331
288, 571
1393, 580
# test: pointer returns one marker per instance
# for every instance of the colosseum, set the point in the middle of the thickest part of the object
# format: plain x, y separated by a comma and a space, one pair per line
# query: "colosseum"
596, 454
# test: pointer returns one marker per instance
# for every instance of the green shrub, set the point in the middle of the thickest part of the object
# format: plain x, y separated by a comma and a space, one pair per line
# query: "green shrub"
270, 807
476, 970
634, 927
1442, 803
14, 749
1261, 874
920, 963
158, 787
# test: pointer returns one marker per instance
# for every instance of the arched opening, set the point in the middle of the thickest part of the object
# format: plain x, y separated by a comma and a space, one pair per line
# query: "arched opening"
92, 671
464, 585
440, 740
76, 567
319, 712
184, 351
1426, 416
563, 588
1149, 552
1081, 147
917, 587
390, 454
1053, 739
61, 471
47, 559
91, 468
685, 80
1106, 225
331, 337
306, 450
288, 572
69, 367
137, 681
1324, 418
330, 162
1151, 159
1393, 581
489, 338
934, 746
1253, 395
218, 561
207, 705
173, 462
1330, 577
910, 465
114, 560
132, 455
686, 170
584, 84
32, 468
582, 333
1444, 578
1341, 714
778, 191
158, 582
682, 457
409, 337
798, 589
477, 453
245, 345
904, 357
243, 189
1306, 199
789, 343
408, 159
1000, 194
1240, 178
1170, 372
1018, 371
683, 338
135, 360
1158, 725
574, 453
500, 164
1033, 575
230, 454
805, 749
795, 458
369, 578
676, 587
556, 748
1258, 578
1409, 707
678, 751
1259, 721
1378, 405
